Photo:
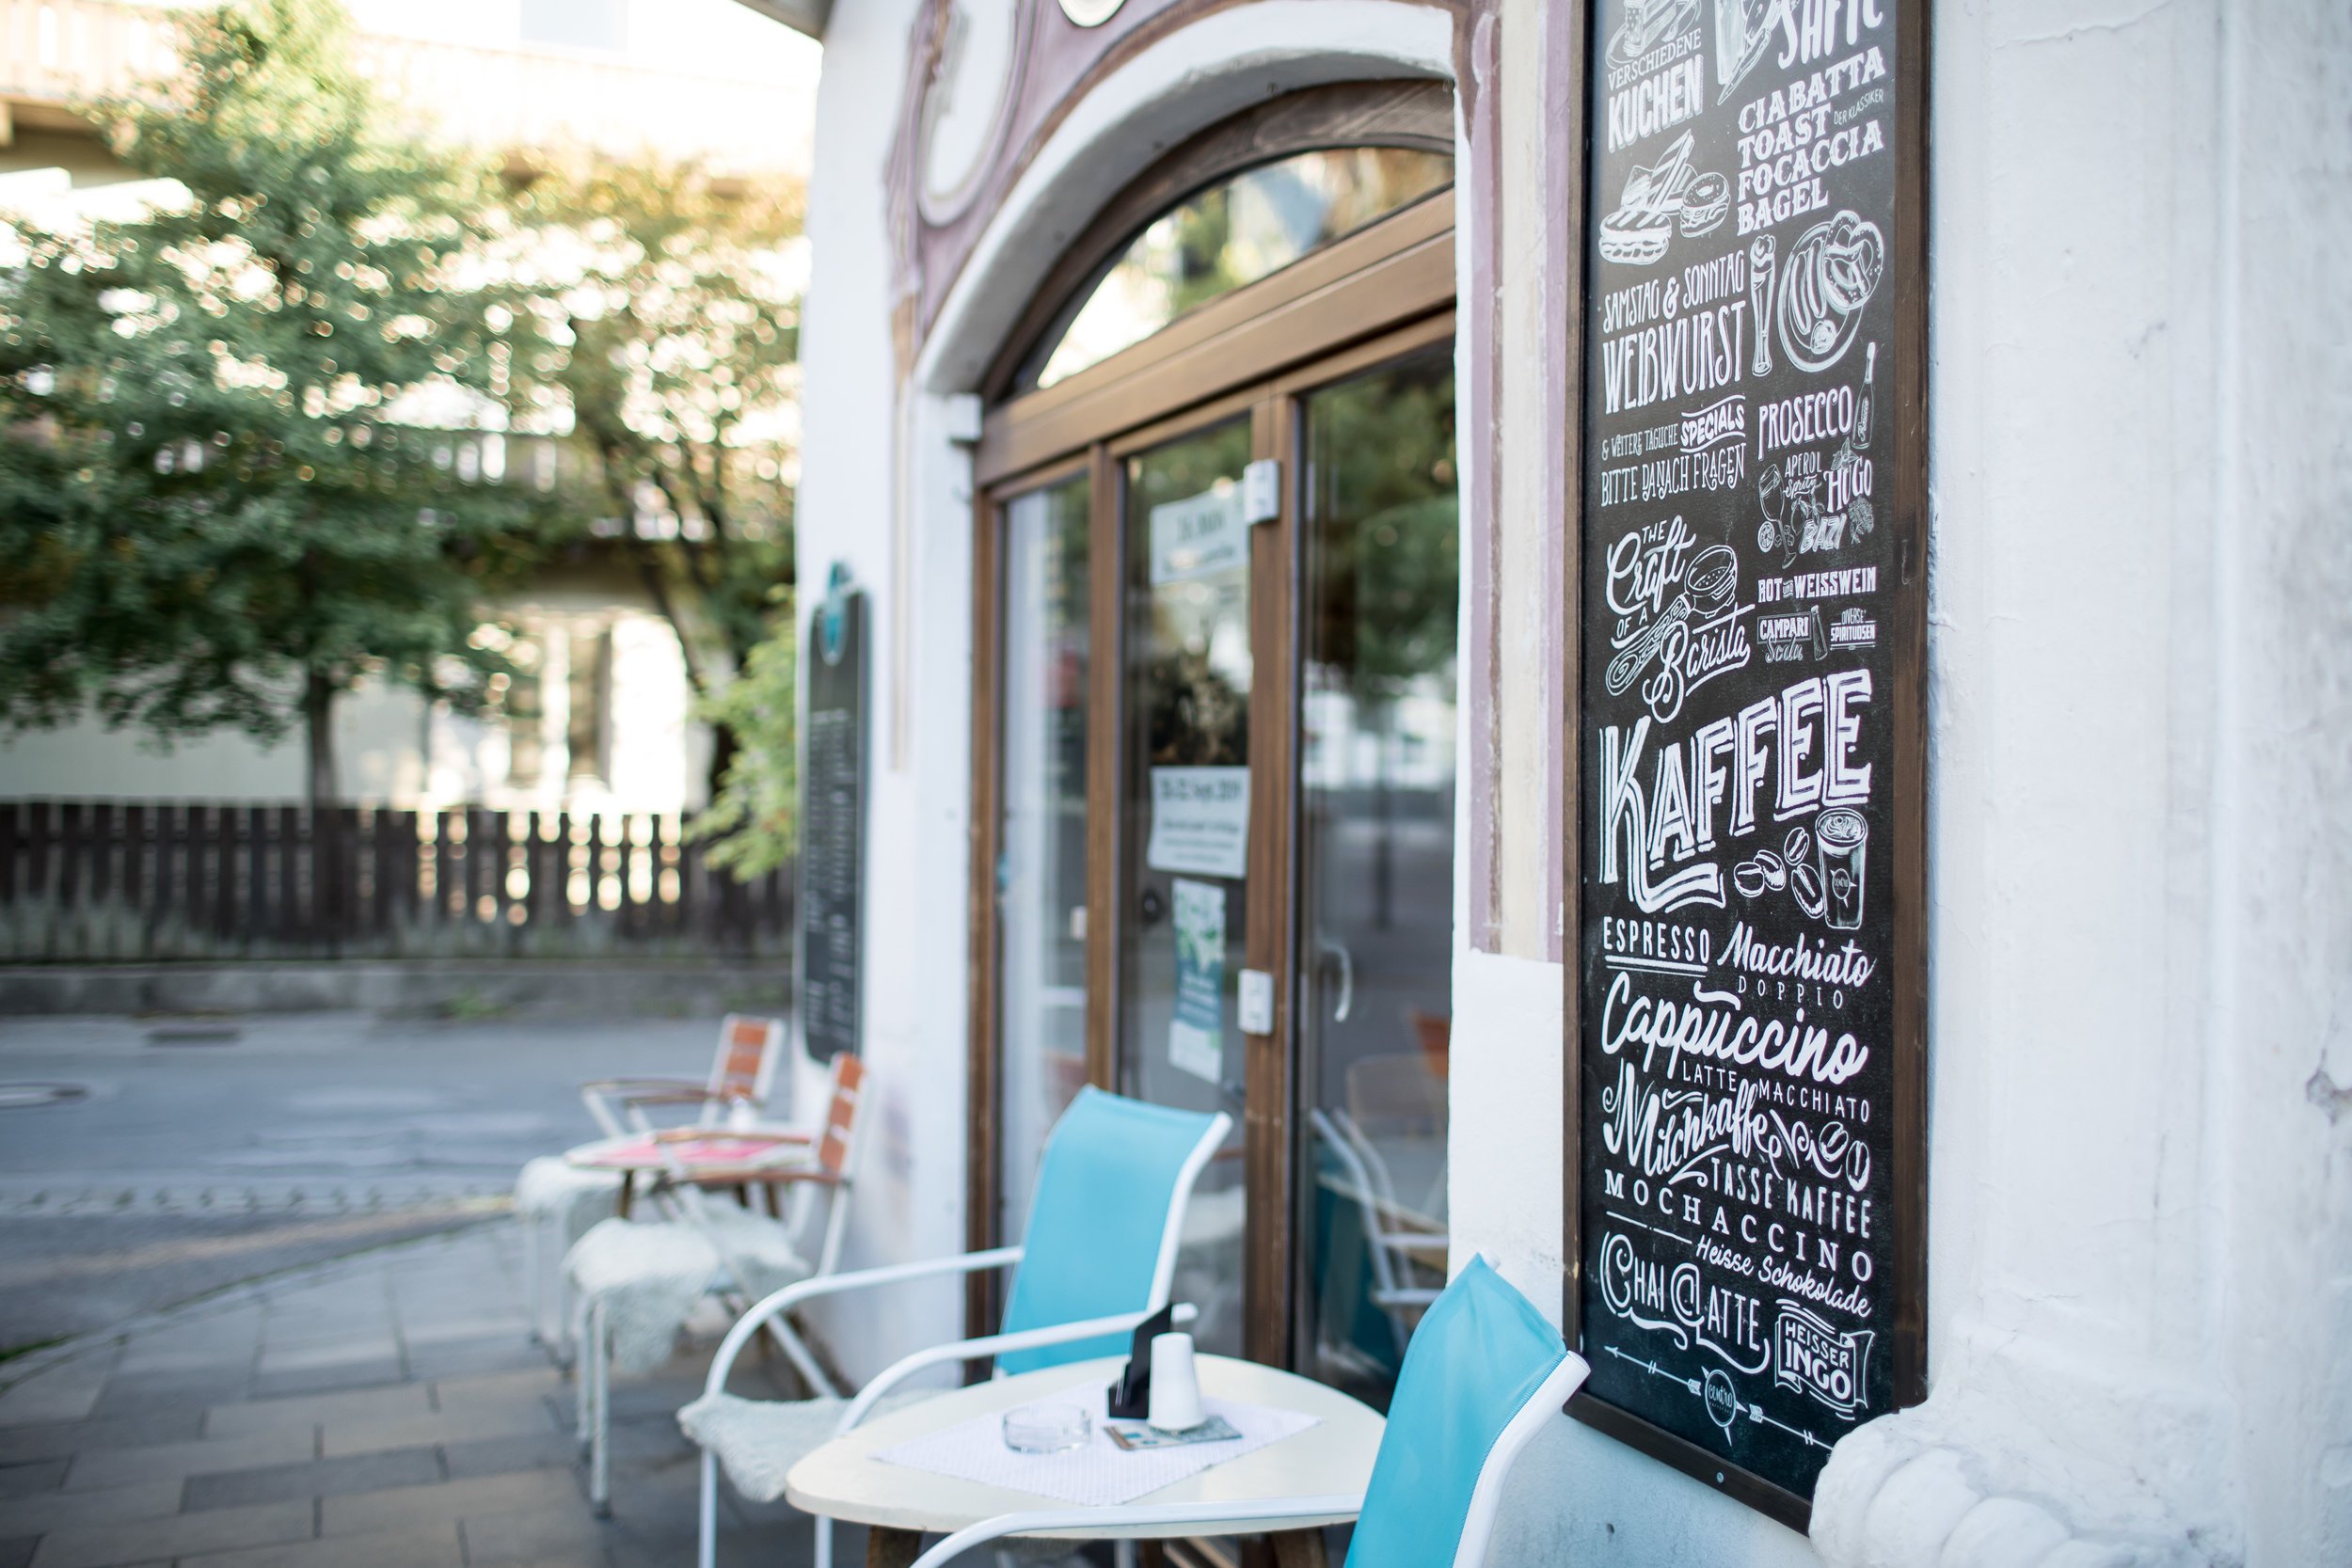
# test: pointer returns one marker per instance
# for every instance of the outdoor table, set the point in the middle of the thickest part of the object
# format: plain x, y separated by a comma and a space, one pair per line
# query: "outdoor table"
897, 1503
708, 1156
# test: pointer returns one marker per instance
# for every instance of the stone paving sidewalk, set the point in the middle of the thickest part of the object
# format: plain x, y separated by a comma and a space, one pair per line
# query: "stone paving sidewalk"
386, 1411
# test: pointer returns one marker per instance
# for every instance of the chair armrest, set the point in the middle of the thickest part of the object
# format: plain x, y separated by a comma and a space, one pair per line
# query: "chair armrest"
1412, 1240
1093, 1520
597, 1094
834, 1284
1405, 1296
996, 1344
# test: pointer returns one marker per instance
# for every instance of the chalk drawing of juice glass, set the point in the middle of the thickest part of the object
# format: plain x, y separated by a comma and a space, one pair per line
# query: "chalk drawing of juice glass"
1839, 833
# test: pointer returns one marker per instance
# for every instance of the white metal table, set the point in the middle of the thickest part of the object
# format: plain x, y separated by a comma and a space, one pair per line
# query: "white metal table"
843, 1481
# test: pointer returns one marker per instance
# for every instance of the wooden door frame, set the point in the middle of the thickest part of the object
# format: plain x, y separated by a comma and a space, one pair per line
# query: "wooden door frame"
983, 1290
1378, 294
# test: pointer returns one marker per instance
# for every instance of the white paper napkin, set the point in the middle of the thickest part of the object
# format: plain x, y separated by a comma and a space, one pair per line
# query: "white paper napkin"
1099, 1474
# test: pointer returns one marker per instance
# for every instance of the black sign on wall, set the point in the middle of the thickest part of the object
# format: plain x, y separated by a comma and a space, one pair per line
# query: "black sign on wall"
1745, 998
832, 823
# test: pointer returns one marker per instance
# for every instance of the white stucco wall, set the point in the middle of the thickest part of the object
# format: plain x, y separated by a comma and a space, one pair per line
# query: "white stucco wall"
2141, 1033
909, 1195
875, 503
2138, 1218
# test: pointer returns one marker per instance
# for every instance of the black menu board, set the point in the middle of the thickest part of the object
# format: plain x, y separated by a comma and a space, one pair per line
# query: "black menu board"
1744, 992
833, 824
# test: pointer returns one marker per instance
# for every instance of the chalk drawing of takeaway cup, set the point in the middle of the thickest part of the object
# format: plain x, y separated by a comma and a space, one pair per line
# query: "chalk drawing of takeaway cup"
1840, 837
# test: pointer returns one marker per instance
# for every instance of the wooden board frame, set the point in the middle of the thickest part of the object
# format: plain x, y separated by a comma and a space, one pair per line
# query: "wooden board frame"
1907, 492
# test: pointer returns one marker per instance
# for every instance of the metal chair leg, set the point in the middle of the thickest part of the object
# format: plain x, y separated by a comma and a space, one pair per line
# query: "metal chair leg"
599, 1353
534, 1288
582, 1378
706, 1544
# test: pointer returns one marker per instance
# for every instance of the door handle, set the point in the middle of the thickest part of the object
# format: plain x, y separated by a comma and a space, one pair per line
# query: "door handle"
1348, 977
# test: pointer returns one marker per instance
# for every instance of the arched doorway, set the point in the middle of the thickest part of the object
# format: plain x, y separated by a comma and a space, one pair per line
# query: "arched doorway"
1215, 559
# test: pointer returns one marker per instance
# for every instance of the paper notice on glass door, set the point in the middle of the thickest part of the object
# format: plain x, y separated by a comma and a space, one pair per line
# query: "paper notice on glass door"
1199, 536
1196, 1032
1200, 821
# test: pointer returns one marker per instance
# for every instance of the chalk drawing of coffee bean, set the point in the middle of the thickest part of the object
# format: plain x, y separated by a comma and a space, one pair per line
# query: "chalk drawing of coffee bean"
1805, 885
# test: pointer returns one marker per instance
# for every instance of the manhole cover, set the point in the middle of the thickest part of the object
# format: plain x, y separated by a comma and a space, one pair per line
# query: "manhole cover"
12, 1095
198, 1033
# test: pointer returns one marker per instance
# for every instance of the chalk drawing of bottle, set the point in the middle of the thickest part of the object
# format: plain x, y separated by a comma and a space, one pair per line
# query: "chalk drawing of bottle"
1863, 415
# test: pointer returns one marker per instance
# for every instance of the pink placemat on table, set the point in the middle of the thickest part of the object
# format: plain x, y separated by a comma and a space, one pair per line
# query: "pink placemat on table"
717, 1148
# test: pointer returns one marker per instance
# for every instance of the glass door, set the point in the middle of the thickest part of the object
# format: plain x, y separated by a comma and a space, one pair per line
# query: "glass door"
1186, 819
1374, 945
1042, 853
1320, 1234
1225, 751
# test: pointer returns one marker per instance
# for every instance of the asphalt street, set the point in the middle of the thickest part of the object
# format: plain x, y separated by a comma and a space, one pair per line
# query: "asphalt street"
186, 1155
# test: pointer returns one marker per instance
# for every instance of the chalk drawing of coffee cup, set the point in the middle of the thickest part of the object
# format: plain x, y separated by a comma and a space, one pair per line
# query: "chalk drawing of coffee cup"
1840, 836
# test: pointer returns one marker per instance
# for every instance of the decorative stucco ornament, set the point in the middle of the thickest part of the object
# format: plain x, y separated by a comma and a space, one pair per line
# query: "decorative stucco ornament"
969, 101
1091, 13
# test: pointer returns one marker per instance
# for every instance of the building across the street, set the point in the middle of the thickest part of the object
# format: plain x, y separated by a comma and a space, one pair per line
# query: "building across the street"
606, 722
1696, 645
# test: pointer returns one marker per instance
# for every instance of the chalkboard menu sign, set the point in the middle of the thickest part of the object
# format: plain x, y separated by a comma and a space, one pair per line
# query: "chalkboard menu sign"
1745, 992
832, 823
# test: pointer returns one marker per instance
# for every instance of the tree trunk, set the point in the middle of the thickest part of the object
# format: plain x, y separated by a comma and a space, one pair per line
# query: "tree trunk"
318, 716
722, 749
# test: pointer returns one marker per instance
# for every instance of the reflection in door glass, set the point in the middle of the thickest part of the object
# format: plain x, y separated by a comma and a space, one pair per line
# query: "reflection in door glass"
1186, 787
1041, 884
1234, 233
1375, 933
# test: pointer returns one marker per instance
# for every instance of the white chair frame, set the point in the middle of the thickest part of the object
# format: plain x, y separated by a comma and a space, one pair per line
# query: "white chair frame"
1162, 1275
1375, 1196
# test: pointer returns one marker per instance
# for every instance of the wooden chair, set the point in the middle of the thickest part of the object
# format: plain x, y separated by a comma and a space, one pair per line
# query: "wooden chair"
550, 1193
638, 1280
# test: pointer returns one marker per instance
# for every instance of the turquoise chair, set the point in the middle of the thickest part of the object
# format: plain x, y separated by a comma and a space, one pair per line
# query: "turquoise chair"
1483, 1375
1098, 1257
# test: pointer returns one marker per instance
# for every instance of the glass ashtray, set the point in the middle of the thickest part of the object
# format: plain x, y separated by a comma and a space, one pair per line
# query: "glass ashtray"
1047, 1429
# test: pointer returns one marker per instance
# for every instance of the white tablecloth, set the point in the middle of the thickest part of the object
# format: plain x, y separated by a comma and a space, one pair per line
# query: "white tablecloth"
1101, 1474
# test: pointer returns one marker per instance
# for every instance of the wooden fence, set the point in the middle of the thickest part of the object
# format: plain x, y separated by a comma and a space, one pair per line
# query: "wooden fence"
118, 881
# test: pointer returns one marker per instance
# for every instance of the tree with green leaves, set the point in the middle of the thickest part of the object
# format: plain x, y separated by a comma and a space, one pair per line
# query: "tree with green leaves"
753, 819
222, 499
666, 308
